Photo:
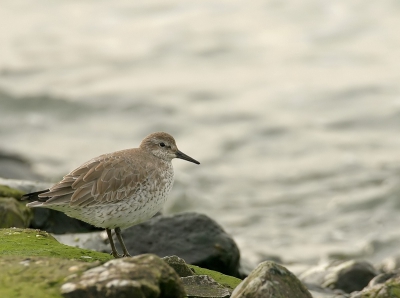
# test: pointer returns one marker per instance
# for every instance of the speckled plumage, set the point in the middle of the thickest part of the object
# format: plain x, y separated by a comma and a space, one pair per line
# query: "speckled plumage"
119, 189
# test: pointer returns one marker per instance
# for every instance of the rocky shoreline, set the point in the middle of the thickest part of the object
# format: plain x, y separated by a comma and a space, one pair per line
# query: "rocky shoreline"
184, 255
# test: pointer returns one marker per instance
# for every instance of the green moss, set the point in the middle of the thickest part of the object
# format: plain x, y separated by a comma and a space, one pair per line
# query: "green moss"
8, 192
28, 243
225, 280
37, 277
395, 290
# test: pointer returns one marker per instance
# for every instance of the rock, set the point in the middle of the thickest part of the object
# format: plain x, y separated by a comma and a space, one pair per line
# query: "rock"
203, 286
348, 276
197, 286
270, 280
36, 277
194, 237
227, 281
14, 214
179, 266
141, 276
382, 278
6, 191
390, 288
56, 222
31, 243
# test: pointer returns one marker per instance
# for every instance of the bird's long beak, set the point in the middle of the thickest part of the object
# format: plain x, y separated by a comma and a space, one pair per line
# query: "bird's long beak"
182, 155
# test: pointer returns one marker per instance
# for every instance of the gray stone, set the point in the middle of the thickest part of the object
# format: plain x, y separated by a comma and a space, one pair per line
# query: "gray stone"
53, 221
144, 276
203, 286
196, 238
347, 276
179, 266
14, 214
270, 280
386, 285
383, 277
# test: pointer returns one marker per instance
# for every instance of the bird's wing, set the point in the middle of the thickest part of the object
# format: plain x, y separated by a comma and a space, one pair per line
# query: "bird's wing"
103, 180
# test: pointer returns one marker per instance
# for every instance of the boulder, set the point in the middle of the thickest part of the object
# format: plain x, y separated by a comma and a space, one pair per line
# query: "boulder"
347, 276
179, 266
31, 243
141, 276
37, 277
203, 286
386, 285
270, 280
14, 214
200, 282
6, 191
56, 222
196, 238
229, 282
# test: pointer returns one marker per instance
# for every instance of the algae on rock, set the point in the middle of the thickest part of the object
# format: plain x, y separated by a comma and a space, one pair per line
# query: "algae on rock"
29, 243
227, 281
37, 277
6, 191
14, 214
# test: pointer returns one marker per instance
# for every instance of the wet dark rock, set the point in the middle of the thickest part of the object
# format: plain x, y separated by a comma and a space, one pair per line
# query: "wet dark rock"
203, 286
56, 222
179, 266
347, 276
194, 237
14, 214
141, 276
383, 277
386, 285
270, 280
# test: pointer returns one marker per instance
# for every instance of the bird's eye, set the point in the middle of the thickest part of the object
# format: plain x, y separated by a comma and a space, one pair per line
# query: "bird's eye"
162, 145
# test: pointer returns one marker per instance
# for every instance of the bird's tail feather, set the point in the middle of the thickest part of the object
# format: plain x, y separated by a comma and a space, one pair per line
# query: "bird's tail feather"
34, 196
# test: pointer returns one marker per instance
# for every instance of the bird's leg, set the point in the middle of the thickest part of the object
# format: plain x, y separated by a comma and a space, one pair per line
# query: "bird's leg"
121, 241
114, 250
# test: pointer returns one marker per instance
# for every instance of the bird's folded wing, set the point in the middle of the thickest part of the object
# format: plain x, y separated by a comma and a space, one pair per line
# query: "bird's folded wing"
100, 181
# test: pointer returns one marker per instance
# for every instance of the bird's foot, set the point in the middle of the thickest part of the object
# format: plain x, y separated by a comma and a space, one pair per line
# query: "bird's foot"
116, 255
126, 255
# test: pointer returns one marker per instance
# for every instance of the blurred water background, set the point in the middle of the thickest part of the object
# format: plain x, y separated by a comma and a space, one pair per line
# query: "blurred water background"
292, 108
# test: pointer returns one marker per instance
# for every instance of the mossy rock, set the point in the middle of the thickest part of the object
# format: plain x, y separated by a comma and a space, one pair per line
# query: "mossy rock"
390, 288
37, 277
225, 280
6, 192
14, 214
34, 264
29, 243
